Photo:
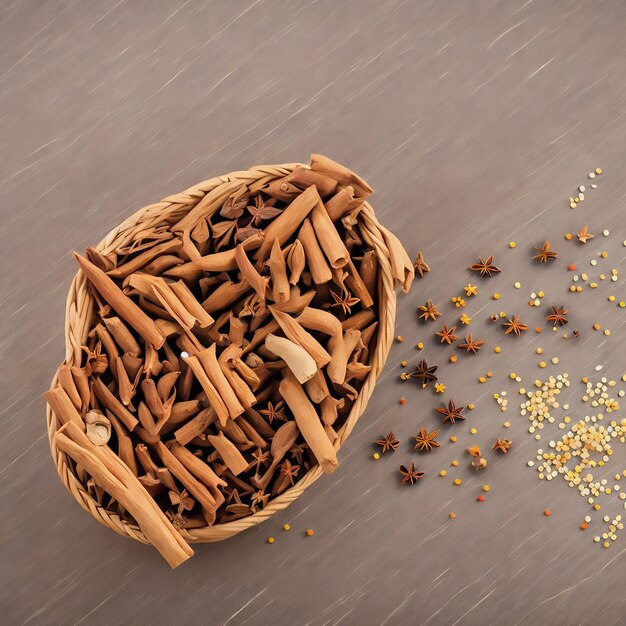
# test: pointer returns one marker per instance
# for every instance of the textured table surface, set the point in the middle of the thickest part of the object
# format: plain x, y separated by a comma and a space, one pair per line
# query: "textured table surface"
474, 121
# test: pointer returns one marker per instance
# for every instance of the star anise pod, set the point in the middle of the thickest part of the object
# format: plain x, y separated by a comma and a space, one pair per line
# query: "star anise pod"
97, 361
297, 451
485, 267
259, 499
261, 212
447, 334
501, 445
274, 412
233, 208
425, 373
346, 300
388, 443
261, 457
584, 235
289, 470
421, 267
425, 441
429, 311
514, 325
545, 253
558, 316
471, 345
182, 500
451, 413
409, 474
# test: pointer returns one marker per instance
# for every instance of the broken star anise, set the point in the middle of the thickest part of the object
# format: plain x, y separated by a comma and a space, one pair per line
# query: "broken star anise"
451, 413
584, 235
274, 412
346, 301
447, 334
514, 325
545, 253
388, 443
429, 311
426, 441
471, 345
410, 475
485, 267
558, 316
501, 445
425, 373
261, 211
421, 267
289, 470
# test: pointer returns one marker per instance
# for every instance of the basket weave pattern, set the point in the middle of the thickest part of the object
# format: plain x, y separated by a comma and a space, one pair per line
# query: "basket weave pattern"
80, 316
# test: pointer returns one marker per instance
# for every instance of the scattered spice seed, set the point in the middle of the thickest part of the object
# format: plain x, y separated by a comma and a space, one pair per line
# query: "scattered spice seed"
286, 527
403, 401
547, 512
409, 474
309, 532
470, 290
546, 253
453, 358
497, 349
270, 540
485, 267
454, 463
512, 244
389, 443
465, 319
453, 438
442, 473
485, 488
439, 387
496, 296
421, 267
470, 406
458, 302
420, 345
399, 338
571, 267
429, 311
403, 363
481, 498
457, 481
452, 515
376, 456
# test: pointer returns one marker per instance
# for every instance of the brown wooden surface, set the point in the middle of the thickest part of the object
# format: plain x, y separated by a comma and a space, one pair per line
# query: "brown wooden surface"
474, 121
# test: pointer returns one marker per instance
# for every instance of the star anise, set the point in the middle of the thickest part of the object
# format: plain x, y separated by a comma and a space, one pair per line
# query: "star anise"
259, 499
429, 311
297, 451
409, 474
584, 235
97, 362
501, 445
421, 266
346, 300
261, 457
182, 500
558, 316
261, 211
388, 443
447, 334
425, 441
451, 413
471, 345
485, 267
514, 325
274, 412
545, 253
289, 470
425, 373
233, 208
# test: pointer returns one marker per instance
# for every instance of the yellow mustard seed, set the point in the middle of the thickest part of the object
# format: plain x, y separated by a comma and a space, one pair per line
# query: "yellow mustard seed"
542, 364
455, 463
506, 424
541, 294
611, 298
593, 285
607, 332
489, 374
539, 351
579, 288
376, 456
482, 379
572, 288
621, 304
270, 540
555, 359
286, 527
596, 327
497, 349
420, 346
485, 487
568, 236
442, 473
502, 314
512, 375
598, 171
596, 507
512, 244
470, 406
496, 296
452, 515
604, 254
457, 481
453, 438
473, 431
453, 358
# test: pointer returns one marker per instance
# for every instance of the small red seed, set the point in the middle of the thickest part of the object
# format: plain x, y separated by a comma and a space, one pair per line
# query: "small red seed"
402, 400
481, 498
547, 512
571, 268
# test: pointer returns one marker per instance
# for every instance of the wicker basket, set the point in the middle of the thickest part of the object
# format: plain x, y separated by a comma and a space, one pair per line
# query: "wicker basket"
393, 268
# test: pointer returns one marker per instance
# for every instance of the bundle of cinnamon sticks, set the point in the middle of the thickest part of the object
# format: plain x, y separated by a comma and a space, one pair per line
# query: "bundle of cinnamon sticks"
226, 351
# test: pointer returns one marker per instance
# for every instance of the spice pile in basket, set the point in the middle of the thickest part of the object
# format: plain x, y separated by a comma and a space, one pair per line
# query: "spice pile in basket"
226, 347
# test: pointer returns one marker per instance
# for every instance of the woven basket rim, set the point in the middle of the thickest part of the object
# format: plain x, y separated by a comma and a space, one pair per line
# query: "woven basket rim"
79, 310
